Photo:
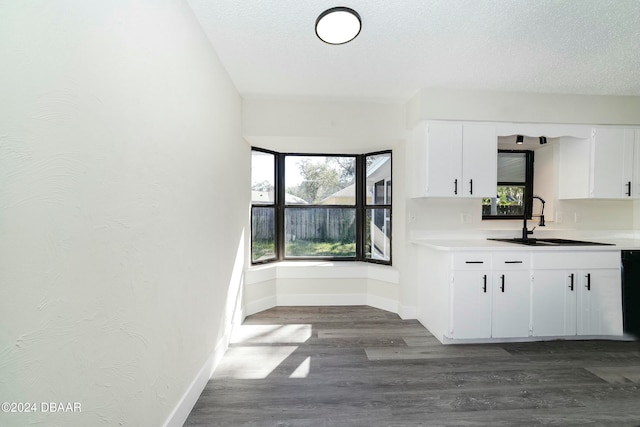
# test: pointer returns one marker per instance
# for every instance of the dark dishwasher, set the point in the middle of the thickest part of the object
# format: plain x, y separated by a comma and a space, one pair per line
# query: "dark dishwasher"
631, 292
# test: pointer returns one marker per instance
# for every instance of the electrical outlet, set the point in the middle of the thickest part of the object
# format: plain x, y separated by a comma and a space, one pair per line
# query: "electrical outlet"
412, 218
559, 217
576, 218
465, 218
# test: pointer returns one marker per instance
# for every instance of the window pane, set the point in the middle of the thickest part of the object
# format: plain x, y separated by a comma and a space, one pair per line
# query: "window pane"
512, 167
263, 242
507, 203
378, 234
262, 177
379, 179
320, 180
320, 232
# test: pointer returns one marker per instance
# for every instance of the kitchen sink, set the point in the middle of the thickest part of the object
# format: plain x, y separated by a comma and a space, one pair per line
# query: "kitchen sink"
551, 242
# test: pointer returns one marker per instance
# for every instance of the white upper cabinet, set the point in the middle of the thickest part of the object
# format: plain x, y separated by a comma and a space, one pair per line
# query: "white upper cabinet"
443, 160
479, 160
604, 167
635, 176
453, 160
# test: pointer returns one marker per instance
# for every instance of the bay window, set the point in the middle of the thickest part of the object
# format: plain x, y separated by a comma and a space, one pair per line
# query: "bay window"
320, 206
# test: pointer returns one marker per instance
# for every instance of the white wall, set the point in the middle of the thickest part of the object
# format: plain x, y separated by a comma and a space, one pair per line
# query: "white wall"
122, 208
451, 104
332, 126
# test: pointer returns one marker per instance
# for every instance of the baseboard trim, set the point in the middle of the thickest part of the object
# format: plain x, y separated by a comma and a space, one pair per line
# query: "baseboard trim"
182, 410
257, 306
321, 299
382, 303
408, 312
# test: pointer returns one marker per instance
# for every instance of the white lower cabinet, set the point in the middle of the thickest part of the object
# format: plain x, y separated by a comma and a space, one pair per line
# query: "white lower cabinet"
521, 294
510, 311
471, 310
584, 299
490, 295
553, 303
600, 302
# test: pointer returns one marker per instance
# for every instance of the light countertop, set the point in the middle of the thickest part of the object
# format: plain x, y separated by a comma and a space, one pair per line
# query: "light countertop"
482, 244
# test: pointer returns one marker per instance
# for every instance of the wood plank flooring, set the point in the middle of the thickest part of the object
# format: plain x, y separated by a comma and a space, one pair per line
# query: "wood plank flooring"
360, 366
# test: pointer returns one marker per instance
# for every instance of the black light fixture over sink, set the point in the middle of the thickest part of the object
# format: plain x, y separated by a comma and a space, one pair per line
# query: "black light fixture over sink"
519, 139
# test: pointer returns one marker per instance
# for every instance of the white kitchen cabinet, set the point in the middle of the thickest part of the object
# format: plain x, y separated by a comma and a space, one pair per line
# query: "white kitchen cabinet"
603, 167
600, 302
490, 295
576, 293
471, 308
510, 311
501, 295
635, 186
511, 294
479, 160
451, 159
553, 303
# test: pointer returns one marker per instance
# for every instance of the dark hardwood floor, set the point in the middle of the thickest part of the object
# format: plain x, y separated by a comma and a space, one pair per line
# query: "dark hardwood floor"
360, 366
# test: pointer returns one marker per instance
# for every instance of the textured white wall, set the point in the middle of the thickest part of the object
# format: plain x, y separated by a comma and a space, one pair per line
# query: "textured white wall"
122, 207
460, 104
325, 125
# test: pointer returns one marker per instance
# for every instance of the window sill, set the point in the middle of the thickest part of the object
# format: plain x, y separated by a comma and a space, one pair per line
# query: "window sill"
321, 270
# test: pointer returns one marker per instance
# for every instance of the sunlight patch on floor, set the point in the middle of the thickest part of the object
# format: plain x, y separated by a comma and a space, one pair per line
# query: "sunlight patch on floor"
271, 334
253, 362
302, 371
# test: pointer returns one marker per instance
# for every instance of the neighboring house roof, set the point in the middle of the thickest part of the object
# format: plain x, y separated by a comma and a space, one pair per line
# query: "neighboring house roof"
379, 169
290, 198
349, 191
262, 196
267, 197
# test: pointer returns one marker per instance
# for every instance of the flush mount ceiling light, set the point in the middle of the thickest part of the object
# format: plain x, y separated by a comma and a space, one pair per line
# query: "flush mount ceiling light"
338, 25
519, 139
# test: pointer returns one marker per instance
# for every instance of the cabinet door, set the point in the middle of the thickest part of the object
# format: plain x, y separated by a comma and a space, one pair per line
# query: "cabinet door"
612, 163
471, 304
553, 303
635, 186
600, 302
479, 161
444, 160
510, 311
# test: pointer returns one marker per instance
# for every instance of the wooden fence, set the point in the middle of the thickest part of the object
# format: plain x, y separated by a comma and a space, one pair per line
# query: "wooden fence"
312, 224
503, 210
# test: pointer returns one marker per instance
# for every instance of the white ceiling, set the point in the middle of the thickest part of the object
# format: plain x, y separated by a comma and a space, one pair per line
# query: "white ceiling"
269, 47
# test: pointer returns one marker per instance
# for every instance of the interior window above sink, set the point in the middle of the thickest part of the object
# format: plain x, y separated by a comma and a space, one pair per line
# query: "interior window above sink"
515, 182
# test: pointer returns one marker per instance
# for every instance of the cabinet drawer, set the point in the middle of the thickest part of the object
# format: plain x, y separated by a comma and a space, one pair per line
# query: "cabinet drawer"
576, 260
511, 260
471, 261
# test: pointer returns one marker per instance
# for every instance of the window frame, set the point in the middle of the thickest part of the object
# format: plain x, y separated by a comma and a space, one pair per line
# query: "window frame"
528, 187
387, 189
360, 206
273, 205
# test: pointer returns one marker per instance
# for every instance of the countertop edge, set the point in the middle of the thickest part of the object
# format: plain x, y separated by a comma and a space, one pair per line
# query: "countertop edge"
491, 245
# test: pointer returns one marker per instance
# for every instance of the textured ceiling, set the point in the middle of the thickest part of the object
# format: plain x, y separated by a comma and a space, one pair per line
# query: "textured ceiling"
269, 47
